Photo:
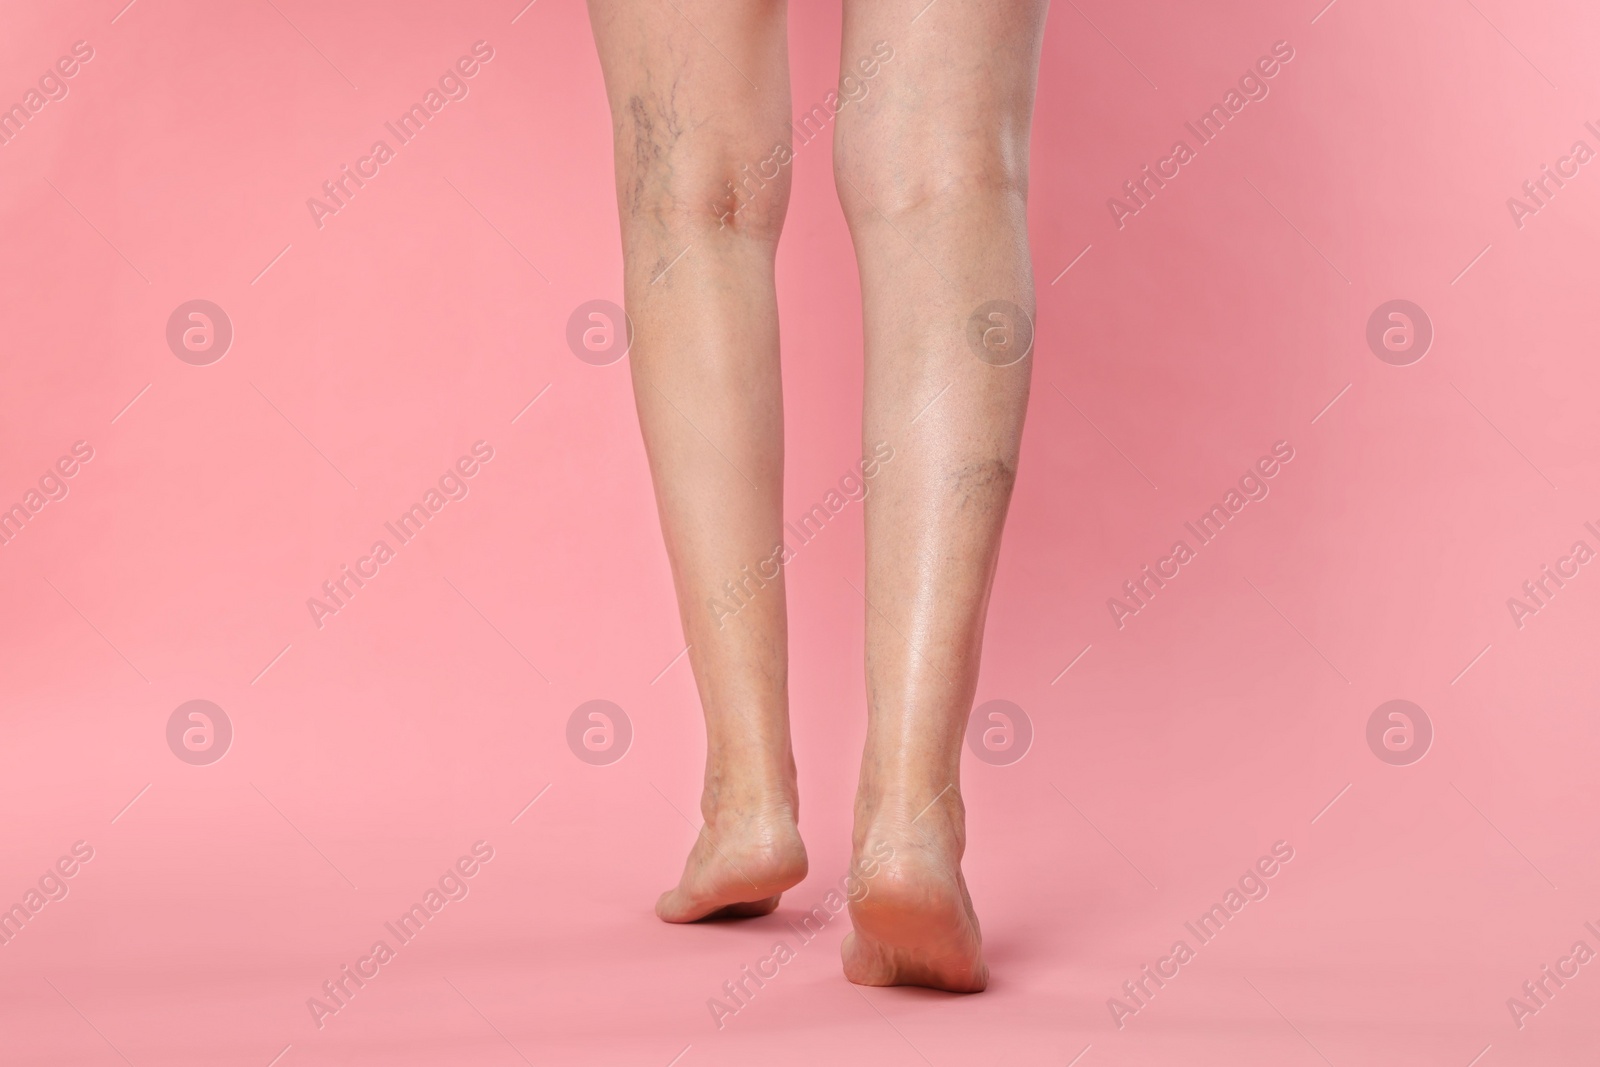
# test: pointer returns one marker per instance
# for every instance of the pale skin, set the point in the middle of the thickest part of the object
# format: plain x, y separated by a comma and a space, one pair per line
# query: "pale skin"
931, 169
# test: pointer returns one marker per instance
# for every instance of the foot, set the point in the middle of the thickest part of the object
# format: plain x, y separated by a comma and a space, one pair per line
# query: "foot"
739, 866
914, 923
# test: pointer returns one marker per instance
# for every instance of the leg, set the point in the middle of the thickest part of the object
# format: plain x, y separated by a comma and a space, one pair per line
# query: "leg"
688, 125
931, 168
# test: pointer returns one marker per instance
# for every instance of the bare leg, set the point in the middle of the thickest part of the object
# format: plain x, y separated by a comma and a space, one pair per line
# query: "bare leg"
932, 170
698, 277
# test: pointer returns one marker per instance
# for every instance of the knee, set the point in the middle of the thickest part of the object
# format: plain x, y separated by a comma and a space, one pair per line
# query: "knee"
908, 179
751, 197
724, 193
685, 179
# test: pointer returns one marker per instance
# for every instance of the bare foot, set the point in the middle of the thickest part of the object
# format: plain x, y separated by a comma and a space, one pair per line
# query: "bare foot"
914, 925
742, 862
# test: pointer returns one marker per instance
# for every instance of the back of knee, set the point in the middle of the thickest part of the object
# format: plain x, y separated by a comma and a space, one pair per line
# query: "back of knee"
751, 198
677, 178
901, 181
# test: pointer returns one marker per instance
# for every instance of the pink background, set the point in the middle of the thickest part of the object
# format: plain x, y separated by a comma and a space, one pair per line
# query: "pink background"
371, 753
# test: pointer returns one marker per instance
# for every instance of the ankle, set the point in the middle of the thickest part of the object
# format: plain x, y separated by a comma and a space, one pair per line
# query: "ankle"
906, 800
749, 783
735, 804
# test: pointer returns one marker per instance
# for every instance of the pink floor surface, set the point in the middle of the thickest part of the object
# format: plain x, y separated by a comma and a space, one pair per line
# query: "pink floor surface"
1439, 861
